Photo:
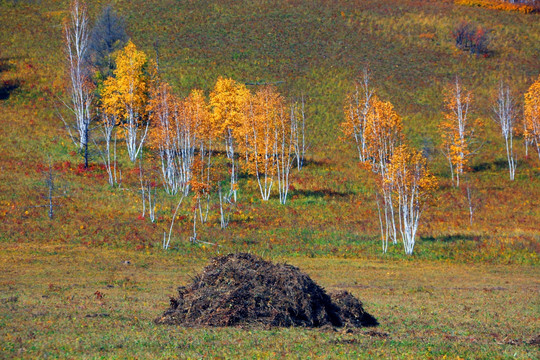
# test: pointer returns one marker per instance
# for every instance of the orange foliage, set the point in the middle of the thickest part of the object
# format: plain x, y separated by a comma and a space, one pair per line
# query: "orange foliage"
532, 114
266, 114
457, 130
410, 176
383, 131
498, 5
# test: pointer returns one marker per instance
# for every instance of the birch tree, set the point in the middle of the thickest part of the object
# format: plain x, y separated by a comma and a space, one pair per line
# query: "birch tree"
205, 133
161, 107
193, 114
532, 115
270, 141
473, 199
80, 85
177, 135
412, 184
125, 96
357, 107
184, 142
383, 133
458, 130
403, 181
298, 131
285, 145
261, 141
229, 103
108, 125
376, 129
505, 116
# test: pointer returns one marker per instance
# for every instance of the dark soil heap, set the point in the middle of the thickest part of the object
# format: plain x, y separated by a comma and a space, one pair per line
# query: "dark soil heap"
243, 289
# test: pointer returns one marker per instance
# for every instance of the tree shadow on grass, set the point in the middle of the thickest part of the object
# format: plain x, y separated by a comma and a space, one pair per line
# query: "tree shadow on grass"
319, 193
451, 238
499, 164
7, 87
316, 163
3, 65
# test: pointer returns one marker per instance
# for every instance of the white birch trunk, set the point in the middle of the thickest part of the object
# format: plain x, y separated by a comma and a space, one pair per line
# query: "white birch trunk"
76, 34
505, 116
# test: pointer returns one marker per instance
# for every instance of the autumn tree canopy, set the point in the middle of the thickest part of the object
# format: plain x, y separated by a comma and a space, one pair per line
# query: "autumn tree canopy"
125, 96
532, 115
229, 102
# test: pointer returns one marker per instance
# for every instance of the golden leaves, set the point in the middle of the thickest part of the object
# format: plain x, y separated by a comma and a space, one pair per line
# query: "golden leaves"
532, 112
262, 129
229, 101
197, 112
383, 130
458, 130
498, 5
408, 173
126, 94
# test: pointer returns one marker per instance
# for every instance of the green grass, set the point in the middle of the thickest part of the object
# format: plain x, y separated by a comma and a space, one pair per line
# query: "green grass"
426, 309
441, 301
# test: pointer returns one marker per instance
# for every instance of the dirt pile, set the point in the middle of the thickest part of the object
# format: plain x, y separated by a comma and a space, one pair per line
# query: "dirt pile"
242, 289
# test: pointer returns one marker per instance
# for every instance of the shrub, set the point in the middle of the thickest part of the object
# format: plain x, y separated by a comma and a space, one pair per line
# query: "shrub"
471, 37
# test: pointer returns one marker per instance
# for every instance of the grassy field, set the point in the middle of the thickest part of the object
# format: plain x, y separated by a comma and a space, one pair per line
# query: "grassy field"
50, 308
469, 291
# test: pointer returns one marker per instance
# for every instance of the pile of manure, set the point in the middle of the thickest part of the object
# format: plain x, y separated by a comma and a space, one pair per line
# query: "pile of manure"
243, 289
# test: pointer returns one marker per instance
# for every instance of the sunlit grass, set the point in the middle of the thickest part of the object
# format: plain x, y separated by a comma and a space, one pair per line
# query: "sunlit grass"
426, 309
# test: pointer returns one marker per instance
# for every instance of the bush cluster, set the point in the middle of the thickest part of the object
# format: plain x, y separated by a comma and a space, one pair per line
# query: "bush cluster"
471, 37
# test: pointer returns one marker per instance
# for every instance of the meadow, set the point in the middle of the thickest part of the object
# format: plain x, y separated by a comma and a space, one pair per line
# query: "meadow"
66, 302
469, 290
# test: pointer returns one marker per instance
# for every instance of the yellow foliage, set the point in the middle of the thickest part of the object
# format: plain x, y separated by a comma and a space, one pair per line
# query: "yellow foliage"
197, 110
532, 114
383, 130
408, 175
124, 96
262, 130
457, 129
497, 5
229, 102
